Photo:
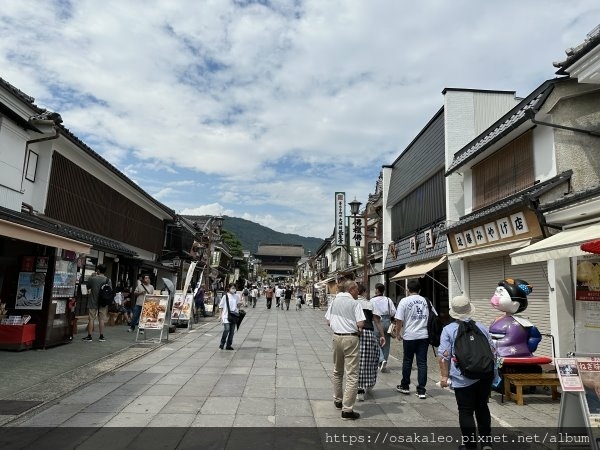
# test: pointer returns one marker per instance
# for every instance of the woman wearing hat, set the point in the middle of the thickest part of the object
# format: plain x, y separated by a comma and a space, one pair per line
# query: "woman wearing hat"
471, 394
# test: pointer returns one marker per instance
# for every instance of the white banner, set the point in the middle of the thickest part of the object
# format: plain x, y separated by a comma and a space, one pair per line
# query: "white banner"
340, 218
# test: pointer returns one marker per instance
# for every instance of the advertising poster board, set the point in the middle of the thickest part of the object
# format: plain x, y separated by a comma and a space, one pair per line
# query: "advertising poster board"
30, 290
568, 372
589, 371
587, 303
182, 306
154, 311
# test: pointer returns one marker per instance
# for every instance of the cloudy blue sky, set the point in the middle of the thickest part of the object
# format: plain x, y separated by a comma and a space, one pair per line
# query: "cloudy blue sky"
262, 109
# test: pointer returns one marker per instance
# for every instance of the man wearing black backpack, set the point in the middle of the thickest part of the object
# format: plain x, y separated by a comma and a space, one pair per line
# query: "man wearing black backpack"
95, 310
467, 364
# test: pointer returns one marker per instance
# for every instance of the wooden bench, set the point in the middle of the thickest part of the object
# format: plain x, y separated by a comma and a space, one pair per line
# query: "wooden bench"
518, 380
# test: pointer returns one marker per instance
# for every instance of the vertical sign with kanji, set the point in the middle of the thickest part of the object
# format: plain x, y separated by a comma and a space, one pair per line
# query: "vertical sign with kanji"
340, 216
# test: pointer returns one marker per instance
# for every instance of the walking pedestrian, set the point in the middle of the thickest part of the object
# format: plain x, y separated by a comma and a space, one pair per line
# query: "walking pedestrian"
233, 303
411, 325
199, 300
369, 346
253, 295
287, 296
385, 309
299, 298
245, 295
269, 296
471, 395
142, 289
278, 296
346, 319
95, 311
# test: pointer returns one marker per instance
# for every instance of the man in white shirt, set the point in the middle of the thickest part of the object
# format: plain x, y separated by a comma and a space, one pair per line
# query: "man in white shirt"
411, 323
346, 319
230, 302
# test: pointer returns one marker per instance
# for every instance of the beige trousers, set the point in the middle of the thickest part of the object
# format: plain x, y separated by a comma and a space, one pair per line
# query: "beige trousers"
346, 358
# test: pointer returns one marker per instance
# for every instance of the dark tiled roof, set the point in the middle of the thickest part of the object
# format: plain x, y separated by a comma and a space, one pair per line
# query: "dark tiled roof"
576, 53
571, 199
43, 223
511, 120
509, 203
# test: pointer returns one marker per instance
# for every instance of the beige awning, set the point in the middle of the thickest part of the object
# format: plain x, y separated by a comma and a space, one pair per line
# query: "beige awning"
418, 270
17, 231
562, 245
490, 249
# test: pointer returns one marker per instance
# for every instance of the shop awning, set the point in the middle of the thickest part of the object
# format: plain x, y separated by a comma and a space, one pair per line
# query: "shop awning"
565, 244
489, 250
418, 270
18, 231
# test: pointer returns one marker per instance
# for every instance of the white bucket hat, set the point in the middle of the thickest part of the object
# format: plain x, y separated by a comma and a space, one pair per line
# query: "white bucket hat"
461, 307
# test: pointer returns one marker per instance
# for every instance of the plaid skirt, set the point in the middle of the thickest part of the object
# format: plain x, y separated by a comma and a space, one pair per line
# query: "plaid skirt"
369, 360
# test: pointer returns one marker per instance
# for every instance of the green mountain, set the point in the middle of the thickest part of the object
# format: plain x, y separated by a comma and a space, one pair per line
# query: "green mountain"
252, 234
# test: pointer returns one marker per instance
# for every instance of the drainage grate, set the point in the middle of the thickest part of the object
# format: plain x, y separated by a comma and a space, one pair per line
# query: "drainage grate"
15, 407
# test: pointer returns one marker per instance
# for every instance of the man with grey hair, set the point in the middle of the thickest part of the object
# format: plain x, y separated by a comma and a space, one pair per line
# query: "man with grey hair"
346, 319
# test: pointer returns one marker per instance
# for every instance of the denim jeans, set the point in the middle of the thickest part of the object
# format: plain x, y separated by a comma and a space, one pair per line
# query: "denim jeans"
137, 311
418, 348
384, 352
228, 332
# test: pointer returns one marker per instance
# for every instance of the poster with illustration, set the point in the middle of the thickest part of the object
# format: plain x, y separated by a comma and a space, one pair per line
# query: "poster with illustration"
589, 371
154, 311
182, 306
30, 290
587, 304
568, 373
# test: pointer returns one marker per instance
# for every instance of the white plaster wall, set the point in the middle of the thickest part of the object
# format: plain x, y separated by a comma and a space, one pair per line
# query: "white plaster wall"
544, 160
12, 154
562, 314
466, 115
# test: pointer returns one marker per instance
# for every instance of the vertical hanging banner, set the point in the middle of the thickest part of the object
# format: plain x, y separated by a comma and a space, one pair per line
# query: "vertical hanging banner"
340, 218
215, 259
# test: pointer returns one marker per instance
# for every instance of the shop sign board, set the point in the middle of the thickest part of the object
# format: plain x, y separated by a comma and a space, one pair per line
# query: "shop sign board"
154, 311
518, 225
340, 218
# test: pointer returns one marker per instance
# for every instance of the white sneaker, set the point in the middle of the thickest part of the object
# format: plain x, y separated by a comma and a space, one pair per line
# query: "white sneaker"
422, 396
361, 396
383, 366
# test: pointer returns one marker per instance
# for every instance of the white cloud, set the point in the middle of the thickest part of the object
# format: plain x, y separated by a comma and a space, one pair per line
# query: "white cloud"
268, 110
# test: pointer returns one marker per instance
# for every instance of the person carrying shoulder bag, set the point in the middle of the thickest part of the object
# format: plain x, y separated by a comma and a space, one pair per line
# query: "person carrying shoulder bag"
383, 307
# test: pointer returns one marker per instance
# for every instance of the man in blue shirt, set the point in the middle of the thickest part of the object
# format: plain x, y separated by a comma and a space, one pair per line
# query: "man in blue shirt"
471, 395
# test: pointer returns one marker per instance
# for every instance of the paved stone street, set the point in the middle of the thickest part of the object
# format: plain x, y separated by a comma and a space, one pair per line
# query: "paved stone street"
278, 376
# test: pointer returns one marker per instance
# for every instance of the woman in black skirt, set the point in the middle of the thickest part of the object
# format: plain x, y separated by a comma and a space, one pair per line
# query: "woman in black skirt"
369, 347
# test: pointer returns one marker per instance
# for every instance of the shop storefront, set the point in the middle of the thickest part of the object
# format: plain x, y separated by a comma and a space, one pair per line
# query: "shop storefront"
574, 280
481, 248
38, 278
421, 256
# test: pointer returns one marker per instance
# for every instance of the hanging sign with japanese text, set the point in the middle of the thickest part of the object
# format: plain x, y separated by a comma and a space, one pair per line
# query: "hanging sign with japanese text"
340, 218
518, 225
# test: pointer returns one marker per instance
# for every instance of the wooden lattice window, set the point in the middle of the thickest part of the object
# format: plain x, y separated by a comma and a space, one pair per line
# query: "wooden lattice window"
506, 172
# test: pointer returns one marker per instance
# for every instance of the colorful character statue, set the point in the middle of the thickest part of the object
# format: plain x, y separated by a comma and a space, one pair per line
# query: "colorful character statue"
515, 336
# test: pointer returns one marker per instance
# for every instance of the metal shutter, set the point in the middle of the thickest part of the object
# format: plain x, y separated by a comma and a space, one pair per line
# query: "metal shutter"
484, 275
538, 308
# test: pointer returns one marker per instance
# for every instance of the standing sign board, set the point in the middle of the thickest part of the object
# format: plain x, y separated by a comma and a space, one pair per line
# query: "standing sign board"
580, 401
154, 311
182, 306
